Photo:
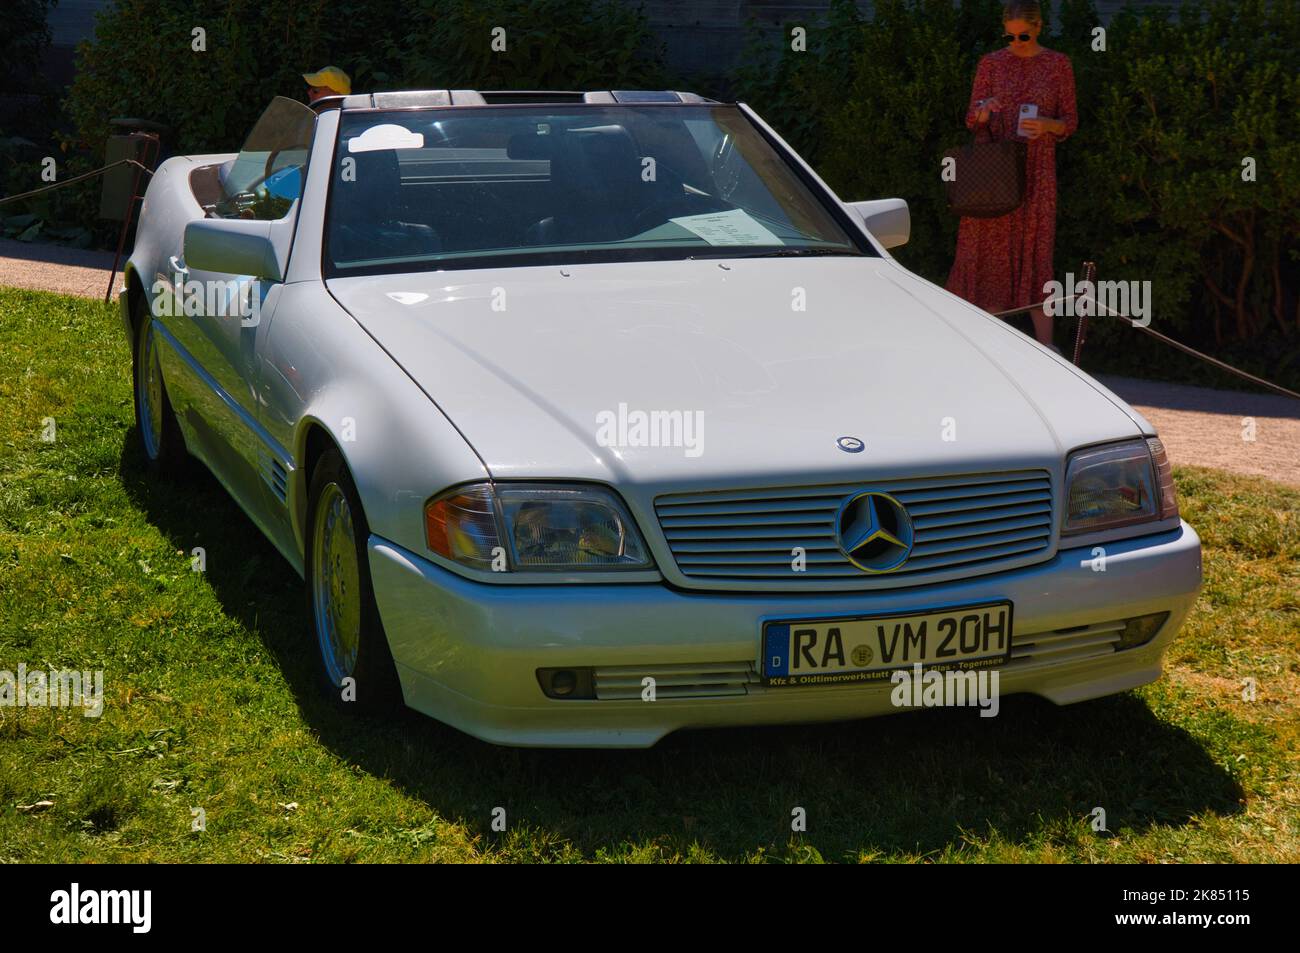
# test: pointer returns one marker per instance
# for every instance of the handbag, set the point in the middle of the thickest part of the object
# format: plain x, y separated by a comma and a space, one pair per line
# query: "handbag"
988, 178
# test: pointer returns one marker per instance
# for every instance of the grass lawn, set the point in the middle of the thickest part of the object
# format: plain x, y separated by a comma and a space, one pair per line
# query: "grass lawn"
209, 700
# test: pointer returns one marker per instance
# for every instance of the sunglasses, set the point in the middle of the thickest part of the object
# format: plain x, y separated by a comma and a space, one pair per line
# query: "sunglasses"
1012, 37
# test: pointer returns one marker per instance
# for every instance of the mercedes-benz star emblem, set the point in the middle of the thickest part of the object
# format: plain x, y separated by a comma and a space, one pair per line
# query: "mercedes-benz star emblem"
875, 532
850, 444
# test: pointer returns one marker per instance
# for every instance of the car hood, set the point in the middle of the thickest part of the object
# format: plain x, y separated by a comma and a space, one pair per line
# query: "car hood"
766, 363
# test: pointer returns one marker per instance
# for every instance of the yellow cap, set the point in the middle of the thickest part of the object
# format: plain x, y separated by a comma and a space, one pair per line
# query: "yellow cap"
331, 77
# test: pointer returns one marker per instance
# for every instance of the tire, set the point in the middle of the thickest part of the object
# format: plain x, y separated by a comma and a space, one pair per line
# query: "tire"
349, 636
159, 434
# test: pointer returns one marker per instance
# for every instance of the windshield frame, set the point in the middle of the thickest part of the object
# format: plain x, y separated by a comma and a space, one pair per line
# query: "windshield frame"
612, 254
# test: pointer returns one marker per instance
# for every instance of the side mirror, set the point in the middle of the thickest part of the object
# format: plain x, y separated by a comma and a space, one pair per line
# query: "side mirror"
233, 246
886, 219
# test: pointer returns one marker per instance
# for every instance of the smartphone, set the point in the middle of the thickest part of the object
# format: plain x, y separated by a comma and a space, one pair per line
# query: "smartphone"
1027, 111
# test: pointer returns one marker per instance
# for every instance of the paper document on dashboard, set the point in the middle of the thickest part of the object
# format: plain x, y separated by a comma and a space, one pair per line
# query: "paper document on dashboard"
728, 228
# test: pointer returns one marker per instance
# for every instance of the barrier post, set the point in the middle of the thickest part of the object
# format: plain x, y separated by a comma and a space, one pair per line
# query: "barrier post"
117, 200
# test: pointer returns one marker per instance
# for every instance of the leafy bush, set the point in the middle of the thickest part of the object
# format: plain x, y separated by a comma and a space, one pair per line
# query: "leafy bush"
143, 64
549, 44
1182, 105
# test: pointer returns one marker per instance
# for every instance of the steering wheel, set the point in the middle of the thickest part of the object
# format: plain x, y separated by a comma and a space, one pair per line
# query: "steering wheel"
267, 171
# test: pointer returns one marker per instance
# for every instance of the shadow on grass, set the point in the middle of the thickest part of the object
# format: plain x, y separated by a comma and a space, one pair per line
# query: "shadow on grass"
918, 782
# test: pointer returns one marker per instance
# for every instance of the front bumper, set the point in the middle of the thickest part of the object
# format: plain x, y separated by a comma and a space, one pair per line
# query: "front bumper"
468, 652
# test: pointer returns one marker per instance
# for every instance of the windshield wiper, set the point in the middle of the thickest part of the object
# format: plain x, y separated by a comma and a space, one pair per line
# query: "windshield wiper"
793, 252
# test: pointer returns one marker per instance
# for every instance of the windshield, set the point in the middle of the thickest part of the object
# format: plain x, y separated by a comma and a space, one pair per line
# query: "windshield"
421, 190
266, 177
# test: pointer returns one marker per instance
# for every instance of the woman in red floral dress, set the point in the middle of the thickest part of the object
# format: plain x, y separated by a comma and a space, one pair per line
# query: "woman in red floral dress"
1005, 262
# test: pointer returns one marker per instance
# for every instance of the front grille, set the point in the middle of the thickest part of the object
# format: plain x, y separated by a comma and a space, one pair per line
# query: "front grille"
973, 521
675, 681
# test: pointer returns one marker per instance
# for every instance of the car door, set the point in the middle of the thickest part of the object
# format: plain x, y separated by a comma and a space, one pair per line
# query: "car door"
226, 316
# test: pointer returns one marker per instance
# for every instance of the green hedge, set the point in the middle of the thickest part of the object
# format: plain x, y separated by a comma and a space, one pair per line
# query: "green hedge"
142, 63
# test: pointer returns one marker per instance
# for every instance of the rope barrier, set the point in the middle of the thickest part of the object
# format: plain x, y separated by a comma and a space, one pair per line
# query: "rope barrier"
84, 175
1269, 385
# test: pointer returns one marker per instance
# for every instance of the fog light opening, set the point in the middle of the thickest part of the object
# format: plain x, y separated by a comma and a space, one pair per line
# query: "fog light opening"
563, 683
566, 683
1140, 630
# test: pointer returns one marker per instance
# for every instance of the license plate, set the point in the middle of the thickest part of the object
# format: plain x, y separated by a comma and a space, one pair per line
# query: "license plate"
867, 648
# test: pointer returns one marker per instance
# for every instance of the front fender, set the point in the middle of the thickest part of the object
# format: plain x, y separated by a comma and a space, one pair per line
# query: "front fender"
324, 377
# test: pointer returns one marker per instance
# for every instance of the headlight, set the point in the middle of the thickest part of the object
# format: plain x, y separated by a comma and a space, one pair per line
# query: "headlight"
1118, 485
534, 528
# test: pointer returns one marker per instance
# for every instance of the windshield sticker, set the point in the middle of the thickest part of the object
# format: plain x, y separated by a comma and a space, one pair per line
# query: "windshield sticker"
728, 228
386, 136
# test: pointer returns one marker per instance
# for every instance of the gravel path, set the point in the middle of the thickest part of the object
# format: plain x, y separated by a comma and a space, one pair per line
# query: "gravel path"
70, 271
1198, 425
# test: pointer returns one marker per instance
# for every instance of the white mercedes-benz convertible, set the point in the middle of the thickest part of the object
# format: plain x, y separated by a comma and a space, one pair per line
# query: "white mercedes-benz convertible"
587, 417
